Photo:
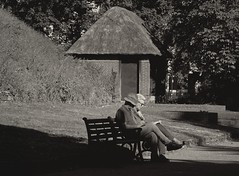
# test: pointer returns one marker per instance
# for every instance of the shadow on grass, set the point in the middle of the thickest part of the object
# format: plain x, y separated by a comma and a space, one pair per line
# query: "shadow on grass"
30, 152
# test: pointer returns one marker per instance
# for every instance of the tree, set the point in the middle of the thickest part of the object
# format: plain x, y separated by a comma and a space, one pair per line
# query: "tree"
193, 35
61, 20
204, 36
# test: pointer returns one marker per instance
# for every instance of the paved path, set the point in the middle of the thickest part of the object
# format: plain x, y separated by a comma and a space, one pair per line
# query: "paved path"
222, 152
219, 159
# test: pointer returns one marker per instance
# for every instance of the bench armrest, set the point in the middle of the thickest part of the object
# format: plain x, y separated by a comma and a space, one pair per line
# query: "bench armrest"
133, 133
136, 130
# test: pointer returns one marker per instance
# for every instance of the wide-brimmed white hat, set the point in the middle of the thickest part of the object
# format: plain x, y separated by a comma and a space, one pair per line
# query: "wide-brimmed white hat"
132, 98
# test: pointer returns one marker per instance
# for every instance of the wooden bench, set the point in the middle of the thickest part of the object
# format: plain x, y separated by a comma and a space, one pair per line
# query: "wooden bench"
107, 131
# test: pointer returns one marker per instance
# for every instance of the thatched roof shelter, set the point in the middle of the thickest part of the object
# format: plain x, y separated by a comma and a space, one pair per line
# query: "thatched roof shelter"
118, 31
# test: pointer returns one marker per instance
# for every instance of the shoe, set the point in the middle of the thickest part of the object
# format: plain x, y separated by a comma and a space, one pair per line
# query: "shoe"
177, 141
173, 146
160, 159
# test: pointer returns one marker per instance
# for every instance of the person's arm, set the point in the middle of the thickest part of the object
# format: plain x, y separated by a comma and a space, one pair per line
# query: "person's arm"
132, 126
124, 119
141, 115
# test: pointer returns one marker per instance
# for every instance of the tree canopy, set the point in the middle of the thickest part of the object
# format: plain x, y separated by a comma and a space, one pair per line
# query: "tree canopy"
195, 35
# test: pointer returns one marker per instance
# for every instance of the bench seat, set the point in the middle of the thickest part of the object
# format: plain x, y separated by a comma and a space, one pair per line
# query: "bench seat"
107, 131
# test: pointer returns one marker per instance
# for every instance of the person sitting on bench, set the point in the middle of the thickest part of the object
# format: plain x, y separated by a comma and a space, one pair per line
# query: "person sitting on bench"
129, 116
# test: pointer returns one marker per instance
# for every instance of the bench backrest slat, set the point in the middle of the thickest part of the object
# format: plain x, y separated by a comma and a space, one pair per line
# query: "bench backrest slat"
100, 130
98, 125
100, 120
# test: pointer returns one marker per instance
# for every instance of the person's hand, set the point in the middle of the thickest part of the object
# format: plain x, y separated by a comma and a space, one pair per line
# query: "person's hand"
156, 122
142, 123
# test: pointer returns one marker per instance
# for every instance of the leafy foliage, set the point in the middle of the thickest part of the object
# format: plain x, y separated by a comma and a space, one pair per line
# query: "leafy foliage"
61, 20
194, 35
205, 39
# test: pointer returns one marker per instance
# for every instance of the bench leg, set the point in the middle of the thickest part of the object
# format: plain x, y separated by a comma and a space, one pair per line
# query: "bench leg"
136, 149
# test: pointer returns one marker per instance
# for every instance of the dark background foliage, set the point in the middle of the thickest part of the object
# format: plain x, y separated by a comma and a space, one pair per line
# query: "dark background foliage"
200, 36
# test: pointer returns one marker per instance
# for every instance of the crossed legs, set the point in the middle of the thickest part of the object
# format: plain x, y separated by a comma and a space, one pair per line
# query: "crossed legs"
151, 127
157, 147
158, 137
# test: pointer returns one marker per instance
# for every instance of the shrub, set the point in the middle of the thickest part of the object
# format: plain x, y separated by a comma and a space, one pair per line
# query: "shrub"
33, 68
81, 82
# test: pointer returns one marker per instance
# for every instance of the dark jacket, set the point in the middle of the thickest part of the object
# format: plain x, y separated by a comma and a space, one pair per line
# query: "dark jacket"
127, 117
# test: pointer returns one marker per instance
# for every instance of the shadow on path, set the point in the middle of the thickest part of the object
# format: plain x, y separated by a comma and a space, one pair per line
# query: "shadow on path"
30, 152
175, 168
229, 150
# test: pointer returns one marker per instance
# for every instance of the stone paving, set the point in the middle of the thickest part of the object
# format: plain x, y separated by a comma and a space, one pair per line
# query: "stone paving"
221, 159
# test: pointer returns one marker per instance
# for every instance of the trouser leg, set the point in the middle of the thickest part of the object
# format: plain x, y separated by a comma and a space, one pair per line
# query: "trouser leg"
162, 148
152, 139
156, 146
150, 127
165, 131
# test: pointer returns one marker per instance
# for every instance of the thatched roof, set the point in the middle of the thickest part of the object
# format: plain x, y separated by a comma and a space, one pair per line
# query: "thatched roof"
118, 31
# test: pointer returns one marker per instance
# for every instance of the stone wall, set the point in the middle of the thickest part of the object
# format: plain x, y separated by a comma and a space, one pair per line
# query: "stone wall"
113, 67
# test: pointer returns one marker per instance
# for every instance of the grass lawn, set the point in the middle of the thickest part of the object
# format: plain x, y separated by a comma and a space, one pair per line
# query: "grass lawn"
46, 132
66, 119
